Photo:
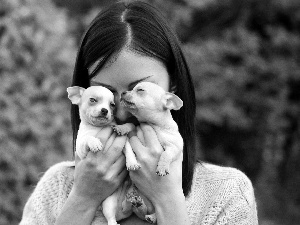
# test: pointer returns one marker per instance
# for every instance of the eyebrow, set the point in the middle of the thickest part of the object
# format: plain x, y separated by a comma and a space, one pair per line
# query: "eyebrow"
112, 88
102, 84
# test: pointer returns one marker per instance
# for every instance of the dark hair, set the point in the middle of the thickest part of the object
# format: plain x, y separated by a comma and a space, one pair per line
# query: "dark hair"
139, 27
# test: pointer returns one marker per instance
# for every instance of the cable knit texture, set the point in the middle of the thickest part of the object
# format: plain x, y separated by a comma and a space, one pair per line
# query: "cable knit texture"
219, 195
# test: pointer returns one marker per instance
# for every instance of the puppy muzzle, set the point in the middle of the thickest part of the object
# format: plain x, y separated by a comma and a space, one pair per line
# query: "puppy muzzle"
101, 117
126, 101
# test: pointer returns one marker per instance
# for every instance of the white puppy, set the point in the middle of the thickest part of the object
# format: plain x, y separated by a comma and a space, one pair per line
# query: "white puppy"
150, 104
96, 105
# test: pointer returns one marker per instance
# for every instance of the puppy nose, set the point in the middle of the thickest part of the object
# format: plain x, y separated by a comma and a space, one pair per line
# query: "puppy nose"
104, 111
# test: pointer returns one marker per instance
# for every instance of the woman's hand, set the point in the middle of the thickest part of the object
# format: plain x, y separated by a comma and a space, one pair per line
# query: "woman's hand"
96, 177
99, 174
148, 150
165, 192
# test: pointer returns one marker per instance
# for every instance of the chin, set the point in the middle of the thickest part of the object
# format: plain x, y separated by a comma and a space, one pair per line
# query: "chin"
99, 121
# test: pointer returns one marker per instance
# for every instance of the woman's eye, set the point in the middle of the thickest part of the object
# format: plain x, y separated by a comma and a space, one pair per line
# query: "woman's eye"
93, 100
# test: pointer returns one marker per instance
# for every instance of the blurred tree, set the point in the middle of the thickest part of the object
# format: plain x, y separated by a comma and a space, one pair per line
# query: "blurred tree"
230, 113
36, 59
244, 57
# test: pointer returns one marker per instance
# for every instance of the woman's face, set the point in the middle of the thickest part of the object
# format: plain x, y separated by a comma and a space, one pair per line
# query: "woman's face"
123, 73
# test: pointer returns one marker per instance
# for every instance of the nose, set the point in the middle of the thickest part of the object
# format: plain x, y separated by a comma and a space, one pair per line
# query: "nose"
123, 93
104, 111
121, 115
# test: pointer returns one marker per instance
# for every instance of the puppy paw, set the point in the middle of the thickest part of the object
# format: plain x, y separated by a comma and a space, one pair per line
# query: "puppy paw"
151, 218
112, 222
131, 167
121, 129
134, 199
95, 144
162, 170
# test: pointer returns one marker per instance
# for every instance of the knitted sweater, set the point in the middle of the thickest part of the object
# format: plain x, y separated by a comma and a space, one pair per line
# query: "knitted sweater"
219, 195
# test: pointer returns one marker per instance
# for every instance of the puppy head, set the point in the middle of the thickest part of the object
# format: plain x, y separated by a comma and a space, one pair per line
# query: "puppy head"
96, 104
147, 99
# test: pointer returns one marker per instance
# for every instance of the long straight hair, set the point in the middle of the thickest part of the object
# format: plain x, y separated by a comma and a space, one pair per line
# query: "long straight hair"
139, 27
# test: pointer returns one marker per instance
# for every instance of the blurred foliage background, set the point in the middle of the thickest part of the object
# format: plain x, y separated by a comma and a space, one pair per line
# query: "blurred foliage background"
244, 56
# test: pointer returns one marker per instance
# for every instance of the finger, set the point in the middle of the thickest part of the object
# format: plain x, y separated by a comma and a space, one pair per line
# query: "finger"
140, 135
150, 136
122, 175
109, 142
105, 134
115, 149
118, 169
132, 133
137, 146
119, 164
94, 155
77, 159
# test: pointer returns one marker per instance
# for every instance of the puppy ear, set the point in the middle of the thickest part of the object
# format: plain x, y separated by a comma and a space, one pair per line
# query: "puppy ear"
75, 93
172, 101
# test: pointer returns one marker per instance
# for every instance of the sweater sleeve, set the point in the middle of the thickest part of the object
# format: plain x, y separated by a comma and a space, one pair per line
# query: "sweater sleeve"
235, 204
49, 195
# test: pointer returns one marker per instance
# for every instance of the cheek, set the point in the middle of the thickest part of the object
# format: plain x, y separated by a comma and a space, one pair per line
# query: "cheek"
112, 110
92, 110
89, 111
165, 82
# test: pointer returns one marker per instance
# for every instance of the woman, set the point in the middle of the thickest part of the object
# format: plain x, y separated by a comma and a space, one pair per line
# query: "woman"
124, 45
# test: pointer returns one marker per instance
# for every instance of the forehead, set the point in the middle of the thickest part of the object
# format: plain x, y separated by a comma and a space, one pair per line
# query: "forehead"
130, 67
98, 91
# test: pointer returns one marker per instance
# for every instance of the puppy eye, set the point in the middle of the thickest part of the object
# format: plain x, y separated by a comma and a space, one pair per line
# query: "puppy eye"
140, 90
112, 104
93, 100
